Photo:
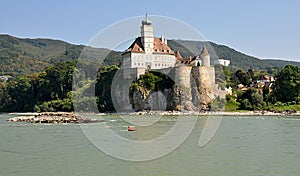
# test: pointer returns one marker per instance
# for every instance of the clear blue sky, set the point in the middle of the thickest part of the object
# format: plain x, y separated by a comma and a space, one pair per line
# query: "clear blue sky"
262, 28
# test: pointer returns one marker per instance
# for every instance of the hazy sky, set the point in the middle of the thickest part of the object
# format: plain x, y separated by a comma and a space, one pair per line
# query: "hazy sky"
262, 28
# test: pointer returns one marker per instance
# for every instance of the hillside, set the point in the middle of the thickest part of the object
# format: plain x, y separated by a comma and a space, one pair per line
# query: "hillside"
236, 58
22, 56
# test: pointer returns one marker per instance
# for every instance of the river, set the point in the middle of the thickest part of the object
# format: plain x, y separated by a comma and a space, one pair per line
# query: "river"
248, 146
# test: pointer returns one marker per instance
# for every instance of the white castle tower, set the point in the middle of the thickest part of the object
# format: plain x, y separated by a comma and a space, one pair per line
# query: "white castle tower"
147, 37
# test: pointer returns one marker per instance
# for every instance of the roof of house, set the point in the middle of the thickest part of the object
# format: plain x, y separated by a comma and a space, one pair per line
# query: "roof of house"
265, 77
185, 60
158, 46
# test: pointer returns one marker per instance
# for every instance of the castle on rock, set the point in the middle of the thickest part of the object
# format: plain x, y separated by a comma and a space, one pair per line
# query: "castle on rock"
194, 79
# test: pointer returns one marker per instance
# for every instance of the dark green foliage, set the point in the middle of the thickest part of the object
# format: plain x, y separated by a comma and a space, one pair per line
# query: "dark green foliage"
55, 105
242, 77
149, 80
56, 81
51, 90
287, 84
251, 100
21, 94
153, 81
103, 88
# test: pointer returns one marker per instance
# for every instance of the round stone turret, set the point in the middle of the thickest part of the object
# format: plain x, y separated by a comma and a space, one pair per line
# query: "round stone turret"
205, 57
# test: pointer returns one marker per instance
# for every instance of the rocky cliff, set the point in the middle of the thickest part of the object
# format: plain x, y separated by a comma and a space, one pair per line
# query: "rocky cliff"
193, 89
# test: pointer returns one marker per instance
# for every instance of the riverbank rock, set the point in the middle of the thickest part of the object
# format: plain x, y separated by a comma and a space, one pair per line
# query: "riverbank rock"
54, 117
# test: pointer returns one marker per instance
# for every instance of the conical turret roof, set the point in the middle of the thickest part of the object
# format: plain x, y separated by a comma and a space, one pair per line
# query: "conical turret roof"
204, 52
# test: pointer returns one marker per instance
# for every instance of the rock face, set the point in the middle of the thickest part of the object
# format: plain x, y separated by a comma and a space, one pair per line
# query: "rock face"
53, 117
193, 90
204, 87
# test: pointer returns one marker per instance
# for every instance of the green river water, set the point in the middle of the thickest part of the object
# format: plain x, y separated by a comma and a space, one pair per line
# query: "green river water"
242, 146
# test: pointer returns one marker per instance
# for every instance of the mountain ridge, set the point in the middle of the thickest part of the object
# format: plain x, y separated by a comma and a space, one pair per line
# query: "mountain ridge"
21, 56
237, 58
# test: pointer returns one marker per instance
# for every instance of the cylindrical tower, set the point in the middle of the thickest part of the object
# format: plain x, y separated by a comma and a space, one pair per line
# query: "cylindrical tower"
205, 57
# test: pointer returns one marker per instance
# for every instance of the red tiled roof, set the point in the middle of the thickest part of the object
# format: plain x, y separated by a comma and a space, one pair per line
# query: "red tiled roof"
265, 77
158, 46
178, 55
161, 47
186, 60
136, 46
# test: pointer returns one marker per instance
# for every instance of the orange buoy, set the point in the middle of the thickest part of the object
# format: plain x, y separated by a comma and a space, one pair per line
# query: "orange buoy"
129, 128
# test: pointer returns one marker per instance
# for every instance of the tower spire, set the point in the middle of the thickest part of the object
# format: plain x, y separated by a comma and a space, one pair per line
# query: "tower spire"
147, 37
146, 20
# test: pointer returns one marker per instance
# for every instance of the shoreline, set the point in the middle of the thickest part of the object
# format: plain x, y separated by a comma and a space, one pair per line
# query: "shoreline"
177, 113
209, 113
51, 117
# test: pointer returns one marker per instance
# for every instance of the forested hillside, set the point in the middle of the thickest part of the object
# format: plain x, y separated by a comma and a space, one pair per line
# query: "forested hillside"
237, 59
23, 56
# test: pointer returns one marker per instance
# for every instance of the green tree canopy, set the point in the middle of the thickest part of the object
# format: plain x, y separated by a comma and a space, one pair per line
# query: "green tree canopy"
287, 84
251, 100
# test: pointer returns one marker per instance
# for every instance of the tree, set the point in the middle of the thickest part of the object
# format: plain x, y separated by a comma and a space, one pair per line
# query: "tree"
251, 100
20, 94
56, 81
287, 84
242, 77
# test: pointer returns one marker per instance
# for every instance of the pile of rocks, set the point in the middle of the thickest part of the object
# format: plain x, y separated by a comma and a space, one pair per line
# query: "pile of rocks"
54, 117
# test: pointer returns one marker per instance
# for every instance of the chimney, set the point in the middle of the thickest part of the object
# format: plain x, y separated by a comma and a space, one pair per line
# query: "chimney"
163, 39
